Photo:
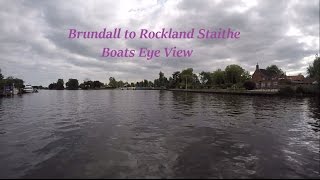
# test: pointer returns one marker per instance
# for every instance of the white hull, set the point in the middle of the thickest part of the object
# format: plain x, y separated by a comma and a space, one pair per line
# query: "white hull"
28, 89
15, 91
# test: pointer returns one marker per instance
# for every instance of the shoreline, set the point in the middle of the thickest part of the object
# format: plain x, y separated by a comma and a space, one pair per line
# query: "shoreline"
270, 92
223, 91
241, 92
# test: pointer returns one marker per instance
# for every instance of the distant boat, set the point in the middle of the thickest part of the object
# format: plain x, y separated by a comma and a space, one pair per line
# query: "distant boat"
28, 89
15, 91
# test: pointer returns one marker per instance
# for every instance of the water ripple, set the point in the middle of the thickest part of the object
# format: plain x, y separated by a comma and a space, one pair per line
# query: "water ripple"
157, 134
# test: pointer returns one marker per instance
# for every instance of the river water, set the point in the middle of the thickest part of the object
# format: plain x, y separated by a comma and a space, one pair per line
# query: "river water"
157, 134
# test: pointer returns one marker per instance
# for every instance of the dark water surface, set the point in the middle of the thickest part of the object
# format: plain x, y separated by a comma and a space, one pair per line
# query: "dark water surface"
157, 134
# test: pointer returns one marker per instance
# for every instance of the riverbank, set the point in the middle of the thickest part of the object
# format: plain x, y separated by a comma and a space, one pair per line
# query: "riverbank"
225, 91
256, 92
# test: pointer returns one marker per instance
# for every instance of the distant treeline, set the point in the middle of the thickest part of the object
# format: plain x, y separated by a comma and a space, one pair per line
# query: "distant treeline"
233, 76
73, 84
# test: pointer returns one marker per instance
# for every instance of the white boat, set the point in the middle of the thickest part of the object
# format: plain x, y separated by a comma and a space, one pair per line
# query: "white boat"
28, 89
15, 91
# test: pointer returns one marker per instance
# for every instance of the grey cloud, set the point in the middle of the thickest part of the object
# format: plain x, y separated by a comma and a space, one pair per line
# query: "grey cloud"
35, 47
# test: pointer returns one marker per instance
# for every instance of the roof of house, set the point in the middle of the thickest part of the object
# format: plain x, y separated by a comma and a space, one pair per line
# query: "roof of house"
309, 80
299, 77
268, 74
265, 72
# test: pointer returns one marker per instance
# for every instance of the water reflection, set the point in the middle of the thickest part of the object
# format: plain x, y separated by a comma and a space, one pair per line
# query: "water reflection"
184, 103
157, 134
314, 109
213, 154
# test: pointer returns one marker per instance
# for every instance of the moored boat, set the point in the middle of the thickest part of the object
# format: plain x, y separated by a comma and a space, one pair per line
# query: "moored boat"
28, 89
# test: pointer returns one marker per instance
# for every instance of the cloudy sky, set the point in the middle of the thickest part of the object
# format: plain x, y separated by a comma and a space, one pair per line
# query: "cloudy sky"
34, 44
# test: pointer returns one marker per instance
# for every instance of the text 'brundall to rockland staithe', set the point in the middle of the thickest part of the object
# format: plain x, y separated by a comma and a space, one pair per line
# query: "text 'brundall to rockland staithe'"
145, 34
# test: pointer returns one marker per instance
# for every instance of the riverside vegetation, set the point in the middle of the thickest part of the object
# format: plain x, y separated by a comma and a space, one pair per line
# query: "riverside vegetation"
233, 77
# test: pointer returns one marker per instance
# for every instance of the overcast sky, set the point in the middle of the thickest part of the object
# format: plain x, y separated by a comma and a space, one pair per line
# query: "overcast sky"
34, 44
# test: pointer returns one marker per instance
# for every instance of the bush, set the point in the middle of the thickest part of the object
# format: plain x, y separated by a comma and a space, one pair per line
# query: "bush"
222, 86
249, 85
228, 85
311, 89
300, 90
286, 91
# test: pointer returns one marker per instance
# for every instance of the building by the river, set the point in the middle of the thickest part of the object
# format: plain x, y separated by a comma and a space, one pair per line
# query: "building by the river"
266, 80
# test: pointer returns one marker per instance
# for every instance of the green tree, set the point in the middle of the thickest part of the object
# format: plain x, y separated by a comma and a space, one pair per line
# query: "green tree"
60, 84
234, 73
1, 76
9, 81
2, 81
218, 77
120, 84
87, 84
189, 79
92, 85
314, 69
245, 76
52, 86
274, 70
206, 79
112, 82
72, 84
145, 83
156, 83
150, 84
174, 82
18, 83
186, 78
96, 84
195, 81
162, 81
